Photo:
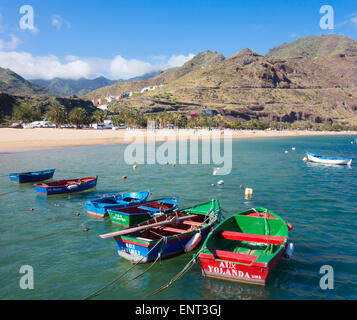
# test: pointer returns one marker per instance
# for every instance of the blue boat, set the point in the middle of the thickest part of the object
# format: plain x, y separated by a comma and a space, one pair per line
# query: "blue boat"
129, 216
99, 207
313, 157
167, 235
66, 186
26, 177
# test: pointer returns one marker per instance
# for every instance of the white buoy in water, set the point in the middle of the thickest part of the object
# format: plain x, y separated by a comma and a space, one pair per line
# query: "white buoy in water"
220, 182
248, 192
193, 242
304, 159
289, 250
214, 172
286, 151
293, 148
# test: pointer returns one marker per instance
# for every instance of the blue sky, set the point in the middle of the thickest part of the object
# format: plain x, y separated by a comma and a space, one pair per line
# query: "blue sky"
120, 39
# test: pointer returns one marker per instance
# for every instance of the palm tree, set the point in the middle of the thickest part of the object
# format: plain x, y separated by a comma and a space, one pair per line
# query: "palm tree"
78, 117
57, 115
98, 116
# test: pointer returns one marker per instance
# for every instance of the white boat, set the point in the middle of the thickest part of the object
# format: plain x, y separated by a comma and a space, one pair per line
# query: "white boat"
313, 157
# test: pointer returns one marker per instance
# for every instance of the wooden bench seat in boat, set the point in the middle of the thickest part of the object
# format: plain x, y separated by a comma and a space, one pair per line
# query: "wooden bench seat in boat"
192, 223
176, 230
231, 235
170, 229
234, 256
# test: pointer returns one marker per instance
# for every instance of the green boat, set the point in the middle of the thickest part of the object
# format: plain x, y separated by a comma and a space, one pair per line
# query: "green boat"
131, 216
246, 247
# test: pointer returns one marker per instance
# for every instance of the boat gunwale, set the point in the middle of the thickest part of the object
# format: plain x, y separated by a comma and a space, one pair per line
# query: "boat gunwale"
50, 184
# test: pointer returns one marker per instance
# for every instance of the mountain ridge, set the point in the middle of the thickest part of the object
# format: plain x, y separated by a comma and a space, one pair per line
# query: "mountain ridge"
12, 83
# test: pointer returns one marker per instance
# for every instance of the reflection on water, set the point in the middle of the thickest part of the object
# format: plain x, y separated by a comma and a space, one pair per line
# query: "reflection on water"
228, 290
321, 165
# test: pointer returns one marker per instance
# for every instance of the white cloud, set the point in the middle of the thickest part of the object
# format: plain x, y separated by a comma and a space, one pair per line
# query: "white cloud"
178, 61
57, 21
125, 69
73, 67
11, 44
34, 30
46, 67
122, 68
71, 58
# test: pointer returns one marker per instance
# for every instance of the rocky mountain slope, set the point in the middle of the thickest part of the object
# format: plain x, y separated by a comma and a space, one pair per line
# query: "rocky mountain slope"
12, 83
312, 79
82, 86
202, 60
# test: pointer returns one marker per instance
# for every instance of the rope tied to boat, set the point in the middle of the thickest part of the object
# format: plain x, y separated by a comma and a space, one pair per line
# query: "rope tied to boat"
186, 268
96, 293
146, 270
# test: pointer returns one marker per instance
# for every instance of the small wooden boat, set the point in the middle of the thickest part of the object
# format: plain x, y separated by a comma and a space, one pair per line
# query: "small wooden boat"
246, 247
313, 157
99, 207
167, 235
130, 216
34, 176
66, 186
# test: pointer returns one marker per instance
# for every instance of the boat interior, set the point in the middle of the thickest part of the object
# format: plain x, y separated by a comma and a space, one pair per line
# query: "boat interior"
146, 206
247, 237
64, 183
183, 226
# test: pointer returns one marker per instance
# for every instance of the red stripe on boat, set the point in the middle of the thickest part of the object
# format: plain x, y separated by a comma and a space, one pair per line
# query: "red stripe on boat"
231, 235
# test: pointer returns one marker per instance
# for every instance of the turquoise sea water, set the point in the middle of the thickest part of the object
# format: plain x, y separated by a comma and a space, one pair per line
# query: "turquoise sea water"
320, 202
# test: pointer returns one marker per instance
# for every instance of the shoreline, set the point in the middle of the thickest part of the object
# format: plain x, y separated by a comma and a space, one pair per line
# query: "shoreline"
21, 140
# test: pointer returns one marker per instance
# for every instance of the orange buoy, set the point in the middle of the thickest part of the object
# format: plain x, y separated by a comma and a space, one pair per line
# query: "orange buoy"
86, 229
124, 177
290, 226
78, 214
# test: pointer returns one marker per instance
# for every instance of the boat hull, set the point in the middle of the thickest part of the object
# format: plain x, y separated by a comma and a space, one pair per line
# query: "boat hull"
140, 213
326, 160
29, 177
139, 251
256, 273
52, 190
99, 208
128, 220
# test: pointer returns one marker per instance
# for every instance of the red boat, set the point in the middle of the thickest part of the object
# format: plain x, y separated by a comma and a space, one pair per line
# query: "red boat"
66, 186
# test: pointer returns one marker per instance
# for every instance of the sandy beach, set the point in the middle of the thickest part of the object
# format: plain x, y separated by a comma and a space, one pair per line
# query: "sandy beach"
18, 139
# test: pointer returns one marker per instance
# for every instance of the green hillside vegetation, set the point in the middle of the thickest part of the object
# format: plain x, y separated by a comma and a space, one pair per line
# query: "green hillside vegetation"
34, 108
12, 83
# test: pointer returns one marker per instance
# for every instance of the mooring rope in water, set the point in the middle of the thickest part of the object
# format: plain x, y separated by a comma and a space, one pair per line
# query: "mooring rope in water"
146, 270
96, 293
3, 194
187, 267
